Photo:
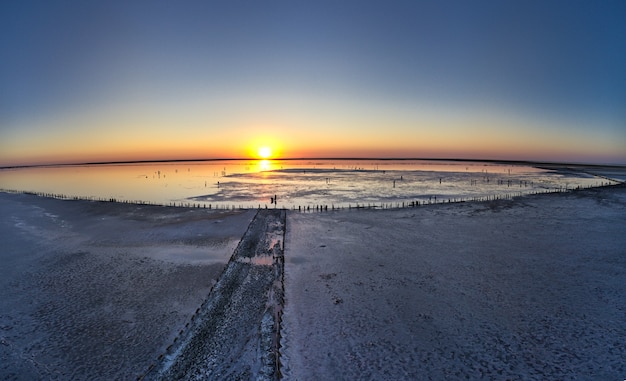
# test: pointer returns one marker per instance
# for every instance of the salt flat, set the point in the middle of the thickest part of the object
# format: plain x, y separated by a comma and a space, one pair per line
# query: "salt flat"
525, 289
93, 290
530, 288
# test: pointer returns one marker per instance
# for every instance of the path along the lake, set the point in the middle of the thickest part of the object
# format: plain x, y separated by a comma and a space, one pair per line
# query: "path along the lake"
234, 334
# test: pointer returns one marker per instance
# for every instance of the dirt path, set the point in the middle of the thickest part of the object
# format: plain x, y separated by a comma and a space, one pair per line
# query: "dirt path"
234, 334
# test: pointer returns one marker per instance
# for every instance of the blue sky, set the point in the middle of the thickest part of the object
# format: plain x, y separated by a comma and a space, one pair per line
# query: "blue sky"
531, 80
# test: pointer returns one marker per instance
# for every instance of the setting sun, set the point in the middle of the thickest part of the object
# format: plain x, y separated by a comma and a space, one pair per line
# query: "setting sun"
265, 152
263, 148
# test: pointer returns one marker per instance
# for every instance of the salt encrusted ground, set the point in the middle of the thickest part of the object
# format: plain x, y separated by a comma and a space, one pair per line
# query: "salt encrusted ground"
93, 290
526, 289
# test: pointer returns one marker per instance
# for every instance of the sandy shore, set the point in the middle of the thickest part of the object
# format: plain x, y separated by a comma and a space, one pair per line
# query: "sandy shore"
526, 289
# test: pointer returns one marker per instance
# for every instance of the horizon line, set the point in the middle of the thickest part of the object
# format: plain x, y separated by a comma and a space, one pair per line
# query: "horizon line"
155, 161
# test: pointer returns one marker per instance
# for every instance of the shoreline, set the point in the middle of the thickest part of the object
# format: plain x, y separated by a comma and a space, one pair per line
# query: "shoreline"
380, 205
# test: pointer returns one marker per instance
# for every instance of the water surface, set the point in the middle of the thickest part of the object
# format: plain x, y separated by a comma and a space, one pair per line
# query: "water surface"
294, 184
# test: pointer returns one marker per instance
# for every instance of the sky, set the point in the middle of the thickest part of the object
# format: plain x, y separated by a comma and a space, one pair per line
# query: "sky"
88, 81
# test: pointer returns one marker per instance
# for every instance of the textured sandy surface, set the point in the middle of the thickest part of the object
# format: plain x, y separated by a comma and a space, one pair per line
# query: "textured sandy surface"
93, 290
527, 289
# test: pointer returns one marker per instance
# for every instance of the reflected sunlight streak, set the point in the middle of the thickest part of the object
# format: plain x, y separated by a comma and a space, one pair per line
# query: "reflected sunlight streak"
265, 165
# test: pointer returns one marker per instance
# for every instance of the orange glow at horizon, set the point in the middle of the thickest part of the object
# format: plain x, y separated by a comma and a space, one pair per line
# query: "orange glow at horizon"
447, 137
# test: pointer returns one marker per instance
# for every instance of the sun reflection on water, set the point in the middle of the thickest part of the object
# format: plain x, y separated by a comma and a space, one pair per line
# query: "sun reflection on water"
265, 165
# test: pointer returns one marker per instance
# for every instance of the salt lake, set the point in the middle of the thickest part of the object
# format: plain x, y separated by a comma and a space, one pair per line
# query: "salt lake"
297, 184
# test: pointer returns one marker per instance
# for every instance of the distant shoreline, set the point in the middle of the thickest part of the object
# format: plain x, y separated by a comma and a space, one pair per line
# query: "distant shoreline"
539, 164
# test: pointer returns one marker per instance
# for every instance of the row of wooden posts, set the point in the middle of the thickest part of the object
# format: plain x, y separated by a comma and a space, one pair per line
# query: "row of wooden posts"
312, 208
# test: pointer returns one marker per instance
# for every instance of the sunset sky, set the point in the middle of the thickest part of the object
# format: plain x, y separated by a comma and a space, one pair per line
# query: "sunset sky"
143, 80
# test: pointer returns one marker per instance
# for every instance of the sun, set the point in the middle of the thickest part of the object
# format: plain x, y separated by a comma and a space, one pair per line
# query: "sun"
265, 152
263, 149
